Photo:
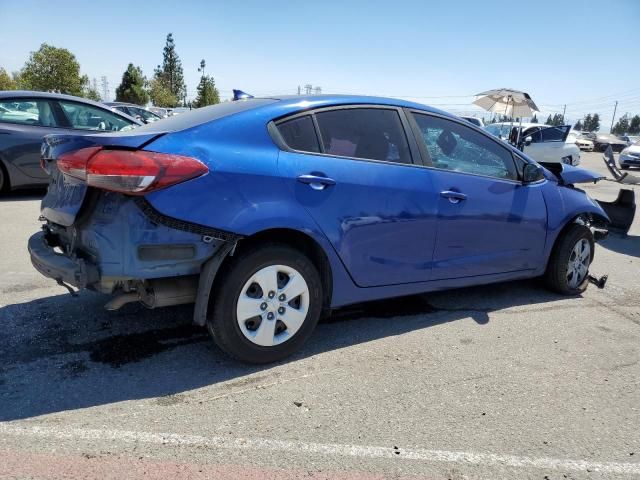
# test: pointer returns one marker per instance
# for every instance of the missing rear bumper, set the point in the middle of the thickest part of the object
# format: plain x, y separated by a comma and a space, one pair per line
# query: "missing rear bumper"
63, 269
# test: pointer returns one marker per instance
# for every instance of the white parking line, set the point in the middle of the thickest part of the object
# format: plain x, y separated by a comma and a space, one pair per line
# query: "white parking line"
358, 451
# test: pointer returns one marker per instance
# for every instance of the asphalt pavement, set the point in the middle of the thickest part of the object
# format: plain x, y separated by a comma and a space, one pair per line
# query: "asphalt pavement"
500, 381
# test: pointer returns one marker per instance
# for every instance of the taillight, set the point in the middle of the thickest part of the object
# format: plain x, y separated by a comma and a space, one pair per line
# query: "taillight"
134, 172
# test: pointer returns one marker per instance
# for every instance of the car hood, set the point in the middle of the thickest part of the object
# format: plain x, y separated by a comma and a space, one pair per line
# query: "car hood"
635, 149
569, 175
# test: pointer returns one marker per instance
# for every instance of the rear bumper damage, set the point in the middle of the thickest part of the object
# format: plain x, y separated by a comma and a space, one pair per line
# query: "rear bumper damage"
76, 272
123, 246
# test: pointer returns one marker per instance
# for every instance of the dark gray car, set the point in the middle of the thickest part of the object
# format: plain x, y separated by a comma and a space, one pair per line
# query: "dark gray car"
25, 117
135, 111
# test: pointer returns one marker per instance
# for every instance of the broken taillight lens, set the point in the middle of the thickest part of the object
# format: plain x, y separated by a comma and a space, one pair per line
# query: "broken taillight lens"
134, 172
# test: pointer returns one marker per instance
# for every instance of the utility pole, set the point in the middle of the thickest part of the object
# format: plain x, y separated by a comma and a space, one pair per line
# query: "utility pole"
317, 90
564, 110
614, 115
299, 90
307, 88
105, 88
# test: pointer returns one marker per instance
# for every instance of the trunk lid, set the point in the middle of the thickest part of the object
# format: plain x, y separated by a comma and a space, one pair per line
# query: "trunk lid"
65, 195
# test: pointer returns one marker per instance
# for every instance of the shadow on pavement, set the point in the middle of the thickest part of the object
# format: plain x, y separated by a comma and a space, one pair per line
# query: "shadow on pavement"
62, 353
624, 244
23, 195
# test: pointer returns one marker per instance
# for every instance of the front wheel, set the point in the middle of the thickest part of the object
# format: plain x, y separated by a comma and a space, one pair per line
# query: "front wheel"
568, 269
266, 305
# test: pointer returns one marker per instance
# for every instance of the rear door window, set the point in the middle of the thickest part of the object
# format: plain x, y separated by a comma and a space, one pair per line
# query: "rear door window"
34, 112
367, 133
88, 117
300, 134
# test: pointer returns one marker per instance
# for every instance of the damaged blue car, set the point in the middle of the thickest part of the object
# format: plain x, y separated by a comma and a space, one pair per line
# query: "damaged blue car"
267, 213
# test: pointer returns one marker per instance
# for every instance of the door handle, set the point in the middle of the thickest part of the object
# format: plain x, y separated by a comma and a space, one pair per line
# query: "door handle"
317, 182
454, 197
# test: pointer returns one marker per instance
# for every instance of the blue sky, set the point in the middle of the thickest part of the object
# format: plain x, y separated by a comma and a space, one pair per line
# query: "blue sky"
584, 54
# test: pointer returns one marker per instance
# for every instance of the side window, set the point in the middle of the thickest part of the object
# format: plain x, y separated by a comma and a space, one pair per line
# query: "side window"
300, 134
553, 134
27, 112
88, 117
534, 133
368, 133
455, 147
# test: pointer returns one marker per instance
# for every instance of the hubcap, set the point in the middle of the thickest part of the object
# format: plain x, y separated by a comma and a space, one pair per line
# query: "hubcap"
578, 266
272, 305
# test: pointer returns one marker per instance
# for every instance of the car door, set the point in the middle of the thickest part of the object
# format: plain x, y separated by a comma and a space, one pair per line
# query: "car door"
547, 143
352, 170
488, 221
23, 123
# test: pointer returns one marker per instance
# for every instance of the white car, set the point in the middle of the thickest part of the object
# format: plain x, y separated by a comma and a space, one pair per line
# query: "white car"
630, 156
543, 143
583, 142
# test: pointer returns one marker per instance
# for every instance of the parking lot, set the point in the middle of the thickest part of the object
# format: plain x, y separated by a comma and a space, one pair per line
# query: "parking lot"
500, 381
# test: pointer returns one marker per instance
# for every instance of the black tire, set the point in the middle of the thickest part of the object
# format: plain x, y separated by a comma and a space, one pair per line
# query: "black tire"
222, 318
4, 179
558, 267
624, 167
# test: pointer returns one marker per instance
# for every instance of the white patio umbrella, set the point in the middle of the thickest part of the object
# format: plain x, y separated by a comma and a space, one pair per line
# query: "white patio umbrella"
508, 102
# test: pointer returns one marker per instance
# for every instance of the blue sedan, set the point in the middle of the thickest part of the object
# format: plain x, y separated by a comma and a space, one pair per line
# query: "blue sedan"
267, 213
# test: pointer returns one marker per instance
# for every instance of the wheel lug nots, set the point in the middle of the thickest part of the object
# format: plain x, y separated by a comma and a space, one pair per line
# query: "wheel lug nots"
263, 306
272, 294
282, 297
281, 310
270, 316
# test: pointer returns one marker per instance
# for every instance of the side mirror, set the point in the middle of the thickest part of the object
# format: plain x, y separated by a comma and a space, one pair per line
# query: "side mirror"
532, 173
528, 140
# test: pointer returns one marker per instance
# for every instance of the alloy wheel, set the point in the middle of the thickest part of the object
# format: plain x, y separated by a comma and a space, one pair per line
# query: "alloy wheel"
578, 266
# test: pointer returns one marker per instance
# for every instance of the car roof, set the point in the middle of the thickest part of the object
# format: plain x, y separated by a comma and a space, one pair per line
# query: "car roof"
123, 104
274, 108
319, 101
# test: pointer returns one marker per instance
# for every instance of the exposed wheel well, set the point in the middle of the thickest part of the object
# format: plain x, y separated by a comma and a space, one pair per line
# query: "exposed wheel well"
295, 239
587, 218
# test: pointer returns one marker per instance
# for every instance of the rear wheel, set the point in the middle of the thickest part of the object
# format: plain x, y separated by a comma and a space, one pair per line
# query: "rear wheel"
4, 180
266, 305
568, 268
624, 167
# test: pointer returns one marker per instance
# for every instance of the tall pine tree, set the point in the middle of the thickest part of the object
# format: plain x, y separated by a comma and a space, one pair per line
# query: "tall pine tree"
170, 73
207, 91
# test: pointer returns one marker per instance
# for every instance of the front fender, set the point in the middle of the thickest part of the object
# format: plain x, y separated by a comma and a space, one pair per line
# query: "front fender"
564, 205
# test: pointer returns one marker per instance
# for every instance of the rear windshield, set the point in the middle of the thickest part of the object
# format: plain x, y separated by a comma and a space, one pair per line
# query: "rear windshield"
198, 116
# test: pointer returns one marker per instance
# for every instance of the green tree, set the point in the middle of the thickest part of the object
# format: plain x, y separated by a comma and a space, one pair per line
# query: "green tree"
578, 126
634, 125
549, 120
131, 89
591, 122
6, 82
92, 94
622, 125
160, 94
207, 92
534, 119
54, 69
170, 72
